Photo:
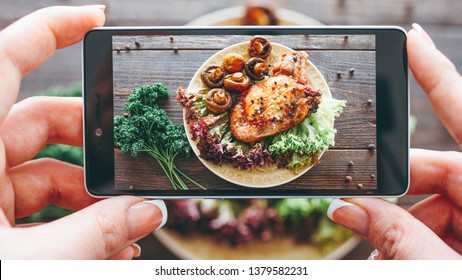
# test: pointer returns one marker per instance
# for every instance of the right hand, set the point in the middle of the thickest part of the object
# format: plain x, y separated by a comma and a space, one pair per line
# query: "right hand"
432, 229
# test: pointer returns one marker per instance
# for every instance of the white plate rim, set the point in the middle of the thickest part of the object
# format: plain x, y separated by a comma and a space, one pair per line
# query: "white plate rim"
222, 16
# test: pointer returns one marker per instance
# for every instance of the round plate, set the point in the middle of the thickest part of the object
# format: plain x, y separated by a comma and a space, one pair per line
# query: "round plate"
203, 247
234, 15
255, 178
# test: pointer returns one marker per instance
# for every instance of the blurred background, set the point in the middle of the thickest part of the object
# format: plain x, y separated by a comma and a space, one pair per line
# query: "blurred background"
61, 75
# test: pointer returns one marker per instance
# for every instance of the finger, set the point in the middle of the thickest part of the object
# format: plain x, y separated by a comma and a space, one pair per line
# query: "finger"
6, 191
392, 230
130, 252
454, 242
99, 231
4, 222
420, 31
45, 181
440, 215
38, 121
30, 41
436, 172
438, 77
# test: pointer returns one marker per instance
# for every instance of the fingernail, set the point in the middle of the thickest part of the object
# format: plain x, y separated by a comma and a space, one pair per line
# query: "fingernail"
136, 250
349, 215
101, 7
145, 217
418, 29
374, 255
423, 34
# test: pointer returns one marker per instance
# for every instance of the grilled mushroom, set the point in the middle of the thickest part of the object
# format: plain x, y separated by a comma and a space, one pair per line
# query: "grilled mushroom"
260, 15
233, 62
218, 100
260, 47
213, 76
236, 82
256, 68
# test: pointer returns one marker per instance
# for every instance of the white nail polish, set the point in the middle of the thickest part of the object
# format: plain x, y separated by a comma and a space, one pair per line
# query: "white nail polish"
417, 28
137, 250
336, 204
163, 208
374, 255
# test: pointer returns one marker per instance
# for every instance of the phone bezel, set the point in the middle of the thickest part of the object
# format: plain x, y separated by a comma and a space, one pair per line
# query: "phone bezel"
392, 86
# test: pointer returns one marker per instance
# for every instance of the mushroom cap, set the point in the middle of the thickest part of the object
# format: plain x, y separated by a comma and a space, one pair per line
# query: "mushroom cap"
256, 68
218, 100
236, 82
259, 47
213, 76
233, 62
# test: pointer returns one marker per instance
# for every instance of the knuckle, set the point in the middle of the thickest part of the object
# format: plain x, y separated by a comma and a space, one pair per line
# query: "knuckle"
111, 234
392, 239
34, 101
388, 235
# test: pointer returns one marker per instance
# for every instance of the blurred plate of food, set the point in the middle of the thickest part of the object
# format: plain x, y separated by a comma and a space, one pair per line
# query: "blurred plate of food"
263, 14
254, 229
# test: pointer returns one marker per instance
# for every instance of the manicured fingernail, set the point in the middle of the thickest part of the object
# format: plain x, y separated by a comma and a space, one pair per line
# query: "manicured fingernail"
424, 35
163, 209
136, 250
145, 217
349, 215
101, 7
374, 255
418, 29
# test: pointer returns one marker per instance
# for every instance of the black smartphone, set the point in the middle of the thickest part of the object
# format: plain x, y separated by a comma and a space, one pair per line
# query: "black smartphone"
246, 112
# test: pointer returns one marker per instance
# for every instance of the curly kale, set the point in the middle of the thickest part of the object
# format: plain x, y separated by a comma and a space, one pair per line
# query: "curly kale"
145, 127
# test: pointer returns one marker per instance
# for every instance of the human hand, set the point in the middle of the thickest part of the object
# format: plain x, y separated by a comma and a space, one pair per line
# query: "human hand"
103, 229
432, 229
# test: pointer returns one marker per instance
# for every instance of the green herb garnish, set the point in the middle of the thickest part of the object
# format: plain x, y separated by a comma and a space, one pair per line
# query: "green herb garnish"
145, 127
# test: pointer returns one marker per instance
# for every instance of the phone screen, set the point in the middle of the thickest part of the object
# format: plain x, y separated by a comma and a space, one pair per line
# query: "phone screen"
245, 112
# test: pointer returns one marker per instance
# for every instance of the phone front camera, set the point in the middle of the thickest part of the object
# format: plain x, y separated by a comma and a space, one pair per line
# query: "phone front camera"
99, 132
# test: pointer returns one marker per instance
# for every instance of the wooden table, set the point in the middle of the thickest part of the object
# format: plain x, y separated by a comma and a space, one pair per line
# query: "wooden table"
155, 60
441, 18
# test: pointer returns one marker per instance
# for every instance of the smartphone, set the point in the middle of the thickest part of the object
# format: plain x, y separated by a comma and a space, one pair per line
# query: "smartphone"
246, 112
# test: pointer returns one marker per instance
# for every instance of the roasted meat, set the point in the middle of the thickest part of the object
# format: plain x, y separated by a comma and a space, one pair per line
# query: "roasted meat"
277, 103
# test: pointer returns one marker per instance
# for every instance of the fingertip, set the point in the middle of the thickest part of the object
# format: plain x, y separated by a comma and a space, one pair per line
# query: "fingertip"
98, 12
69, 24
145, 217
423, 34
349, 215
163, 209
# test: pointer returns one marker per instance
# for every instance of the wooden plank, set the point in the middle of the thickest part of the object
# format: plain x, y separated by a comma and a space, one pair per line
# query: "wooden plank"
156, 12
143, 172
355, 127
218, 42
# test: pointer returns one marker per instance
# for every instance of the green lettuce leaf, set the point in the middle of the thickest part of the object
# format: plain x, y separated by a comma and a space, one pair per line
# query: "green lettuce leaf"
314, 135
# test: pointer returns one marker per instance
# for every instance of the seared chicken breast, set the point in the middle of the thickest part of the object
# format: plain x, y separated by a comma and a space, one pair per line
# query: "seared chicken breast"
277, 103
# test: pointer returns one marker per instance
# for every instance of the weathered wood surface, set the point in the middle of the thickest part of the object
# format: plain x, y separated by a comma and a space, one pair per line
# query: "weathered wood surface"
356, 126
158, 12
144, 173
201, 42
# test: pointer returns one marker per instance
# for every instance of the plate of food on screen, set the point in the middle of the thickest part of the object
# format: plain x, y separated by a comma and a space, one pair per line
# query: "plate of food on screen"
259, 114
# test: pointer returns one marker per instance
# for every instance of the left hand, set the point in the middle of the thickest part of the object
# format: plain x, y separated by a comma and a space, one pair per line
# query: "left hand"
104, 229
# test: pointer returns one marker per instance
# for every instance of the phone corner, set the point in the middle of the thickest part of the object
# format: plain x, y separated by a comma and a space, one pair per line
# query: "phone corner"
401, 29
90, 33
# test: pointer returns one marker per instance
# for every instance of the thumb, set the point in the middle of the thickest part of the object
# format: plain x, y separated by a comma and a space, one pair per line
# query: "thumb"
392, 230
99, 231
